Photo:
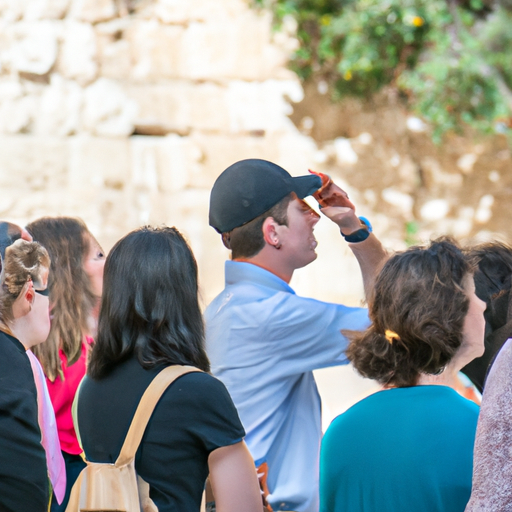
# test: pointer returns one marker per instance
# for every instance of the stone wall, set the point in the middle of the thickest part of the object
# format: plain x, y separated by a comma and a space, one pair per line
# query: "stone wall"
123, 112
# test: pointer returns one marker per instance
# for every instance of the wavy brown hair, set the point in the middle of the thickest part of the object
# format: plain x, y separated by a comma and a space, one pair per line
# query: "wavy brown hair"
71, 299
419, 296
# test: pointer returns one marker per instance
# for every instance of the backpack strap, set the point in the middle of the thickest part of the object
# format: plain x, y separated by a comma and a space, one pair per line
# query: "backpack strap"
145, 409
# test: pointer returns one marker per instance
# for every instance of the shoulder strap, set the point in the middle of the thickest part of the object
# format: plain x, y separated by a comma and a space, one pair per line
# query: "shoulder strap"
145, 409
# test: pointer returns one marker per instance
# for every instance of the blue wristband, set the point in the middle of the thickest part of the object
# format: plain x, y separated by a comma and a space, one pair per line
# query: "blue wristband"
361, 234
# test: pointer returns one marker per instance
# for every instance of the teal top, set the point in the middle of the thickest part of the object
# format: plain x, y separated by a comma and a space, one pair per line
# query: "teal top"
400, 450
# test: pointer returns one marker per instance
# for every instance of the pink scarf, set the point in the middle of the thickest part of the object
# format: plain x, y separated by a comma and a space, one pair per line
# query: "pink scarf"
49, 435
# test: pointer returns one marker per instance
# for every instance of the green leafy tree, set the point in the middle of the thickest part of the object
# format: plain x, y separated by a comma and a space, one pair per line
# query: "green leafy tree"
449, 60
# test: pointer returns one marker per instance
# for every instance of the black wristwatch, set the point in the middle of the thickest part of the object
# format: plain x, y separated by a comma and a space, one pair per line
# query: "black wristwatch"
361, 234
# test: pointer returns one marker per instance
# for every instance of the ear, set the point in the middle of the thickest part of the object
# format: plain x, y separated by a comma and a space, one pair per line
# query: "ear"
226, 240
270, 234
23, 304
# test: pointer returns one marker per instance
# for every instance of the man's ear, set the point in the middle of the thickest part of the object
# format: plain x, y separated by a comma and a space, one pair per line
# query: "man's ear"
23, 304
269, 230
226, 240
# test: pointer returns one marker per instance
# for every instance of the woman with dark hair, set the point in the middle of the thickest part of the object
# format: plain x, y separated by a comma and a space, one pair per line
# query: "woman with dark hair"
150, 319
75, 286
410, 446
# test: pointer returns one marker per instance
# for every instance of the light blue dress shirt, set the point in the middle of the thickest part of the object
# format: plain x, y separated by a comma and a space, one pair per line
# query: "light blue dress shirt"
263, 342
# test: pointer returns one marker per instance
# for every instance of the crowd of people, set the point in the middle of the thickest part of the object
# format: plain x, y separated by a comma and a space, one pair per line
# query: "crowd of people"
83, 335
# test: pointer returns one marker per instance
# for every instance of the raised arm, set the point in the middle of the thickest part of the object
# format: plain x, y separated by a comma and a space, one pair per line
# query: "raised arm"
365, 245
371, 255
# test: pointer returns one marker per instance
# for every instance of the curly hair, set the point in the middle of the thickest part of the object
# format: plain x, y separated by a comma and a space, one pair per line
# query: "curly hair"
417, 311
23, 261
71, 297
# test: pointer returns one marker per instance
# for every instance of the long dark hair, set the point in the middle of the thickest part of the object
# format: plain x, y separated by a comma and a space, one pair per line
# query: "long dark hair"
71, 297
417, 311
150, 304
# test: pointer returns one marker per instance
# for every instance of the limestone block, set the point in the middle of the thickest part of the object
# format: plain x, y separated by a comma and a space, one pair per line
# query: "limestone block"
60, 107
155, 50
108, 111
32, 163
177, 11
44, 9
230, 50
163, 164
11, 10
295, 152
187, 210
97, 163
180, 158
262, 106
114, 51
92, 11
16, 115
221, 150
144, 153
77, 59
30, 47
180, 105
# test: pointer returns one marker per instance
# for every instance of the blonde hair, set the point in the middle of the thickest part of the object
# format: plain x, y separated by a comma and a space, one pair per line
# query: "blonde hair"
23, 261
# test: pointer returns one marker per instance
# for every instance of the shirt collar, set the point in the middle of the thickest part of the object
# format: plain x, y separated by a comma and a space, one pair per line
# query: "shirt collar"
238, 271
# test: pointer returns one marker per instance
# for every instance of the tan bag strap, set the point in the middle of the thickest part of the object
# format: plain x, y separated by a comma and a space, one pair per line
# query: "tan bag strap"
145, 409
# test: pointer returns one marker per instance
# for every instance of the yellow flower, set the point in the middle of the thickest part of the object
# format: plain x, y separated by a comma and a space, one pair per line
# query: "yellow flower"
325, 20
348, 75
418, 21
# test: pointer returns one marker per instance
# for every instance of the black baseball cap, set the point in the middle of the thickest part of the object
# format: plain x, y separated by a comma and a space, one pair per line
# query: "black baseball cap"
249, 188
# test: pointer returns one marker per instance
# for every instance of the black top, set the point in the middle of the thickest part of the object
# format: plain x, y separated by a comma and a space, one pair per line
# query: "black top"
24, 484
194, 417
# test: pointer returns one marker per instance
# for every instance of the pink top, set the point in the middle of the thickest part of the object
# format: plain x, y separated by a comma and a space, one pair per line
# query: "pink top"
62, 394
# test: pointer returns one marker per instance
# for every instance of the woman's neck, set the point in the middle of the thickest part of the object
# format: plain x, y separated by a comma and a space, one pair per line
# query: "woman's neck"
447, 378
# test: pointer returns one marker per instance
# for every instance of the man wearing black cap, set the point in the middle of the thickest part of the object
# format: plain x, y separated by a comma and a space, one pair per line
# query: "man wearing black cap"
262, 339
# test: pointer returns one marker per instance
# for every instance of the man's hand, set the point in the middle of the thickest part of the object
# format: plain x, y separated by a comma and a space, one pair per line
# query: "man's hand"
344, 217
336, 205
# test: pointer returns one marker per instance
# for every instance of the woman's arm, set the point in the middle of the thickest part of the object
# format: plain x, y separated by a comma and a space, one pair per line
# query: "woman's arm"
234, 480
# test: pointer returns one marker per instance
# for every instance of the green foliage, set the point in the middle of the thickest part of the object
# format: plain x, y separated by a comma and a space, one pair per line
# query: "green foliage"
450, 60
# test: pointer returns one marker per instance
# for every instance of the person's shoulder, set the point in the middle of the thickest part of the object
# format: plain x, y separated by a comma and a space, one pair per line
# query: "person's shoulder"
446, 402
198, 380
199, 388
500, 368
10, 345
13, 357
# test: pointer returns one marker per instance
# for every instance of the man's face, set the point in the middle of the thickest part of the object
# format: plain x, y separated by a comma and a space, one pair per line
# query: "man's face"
298, 243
